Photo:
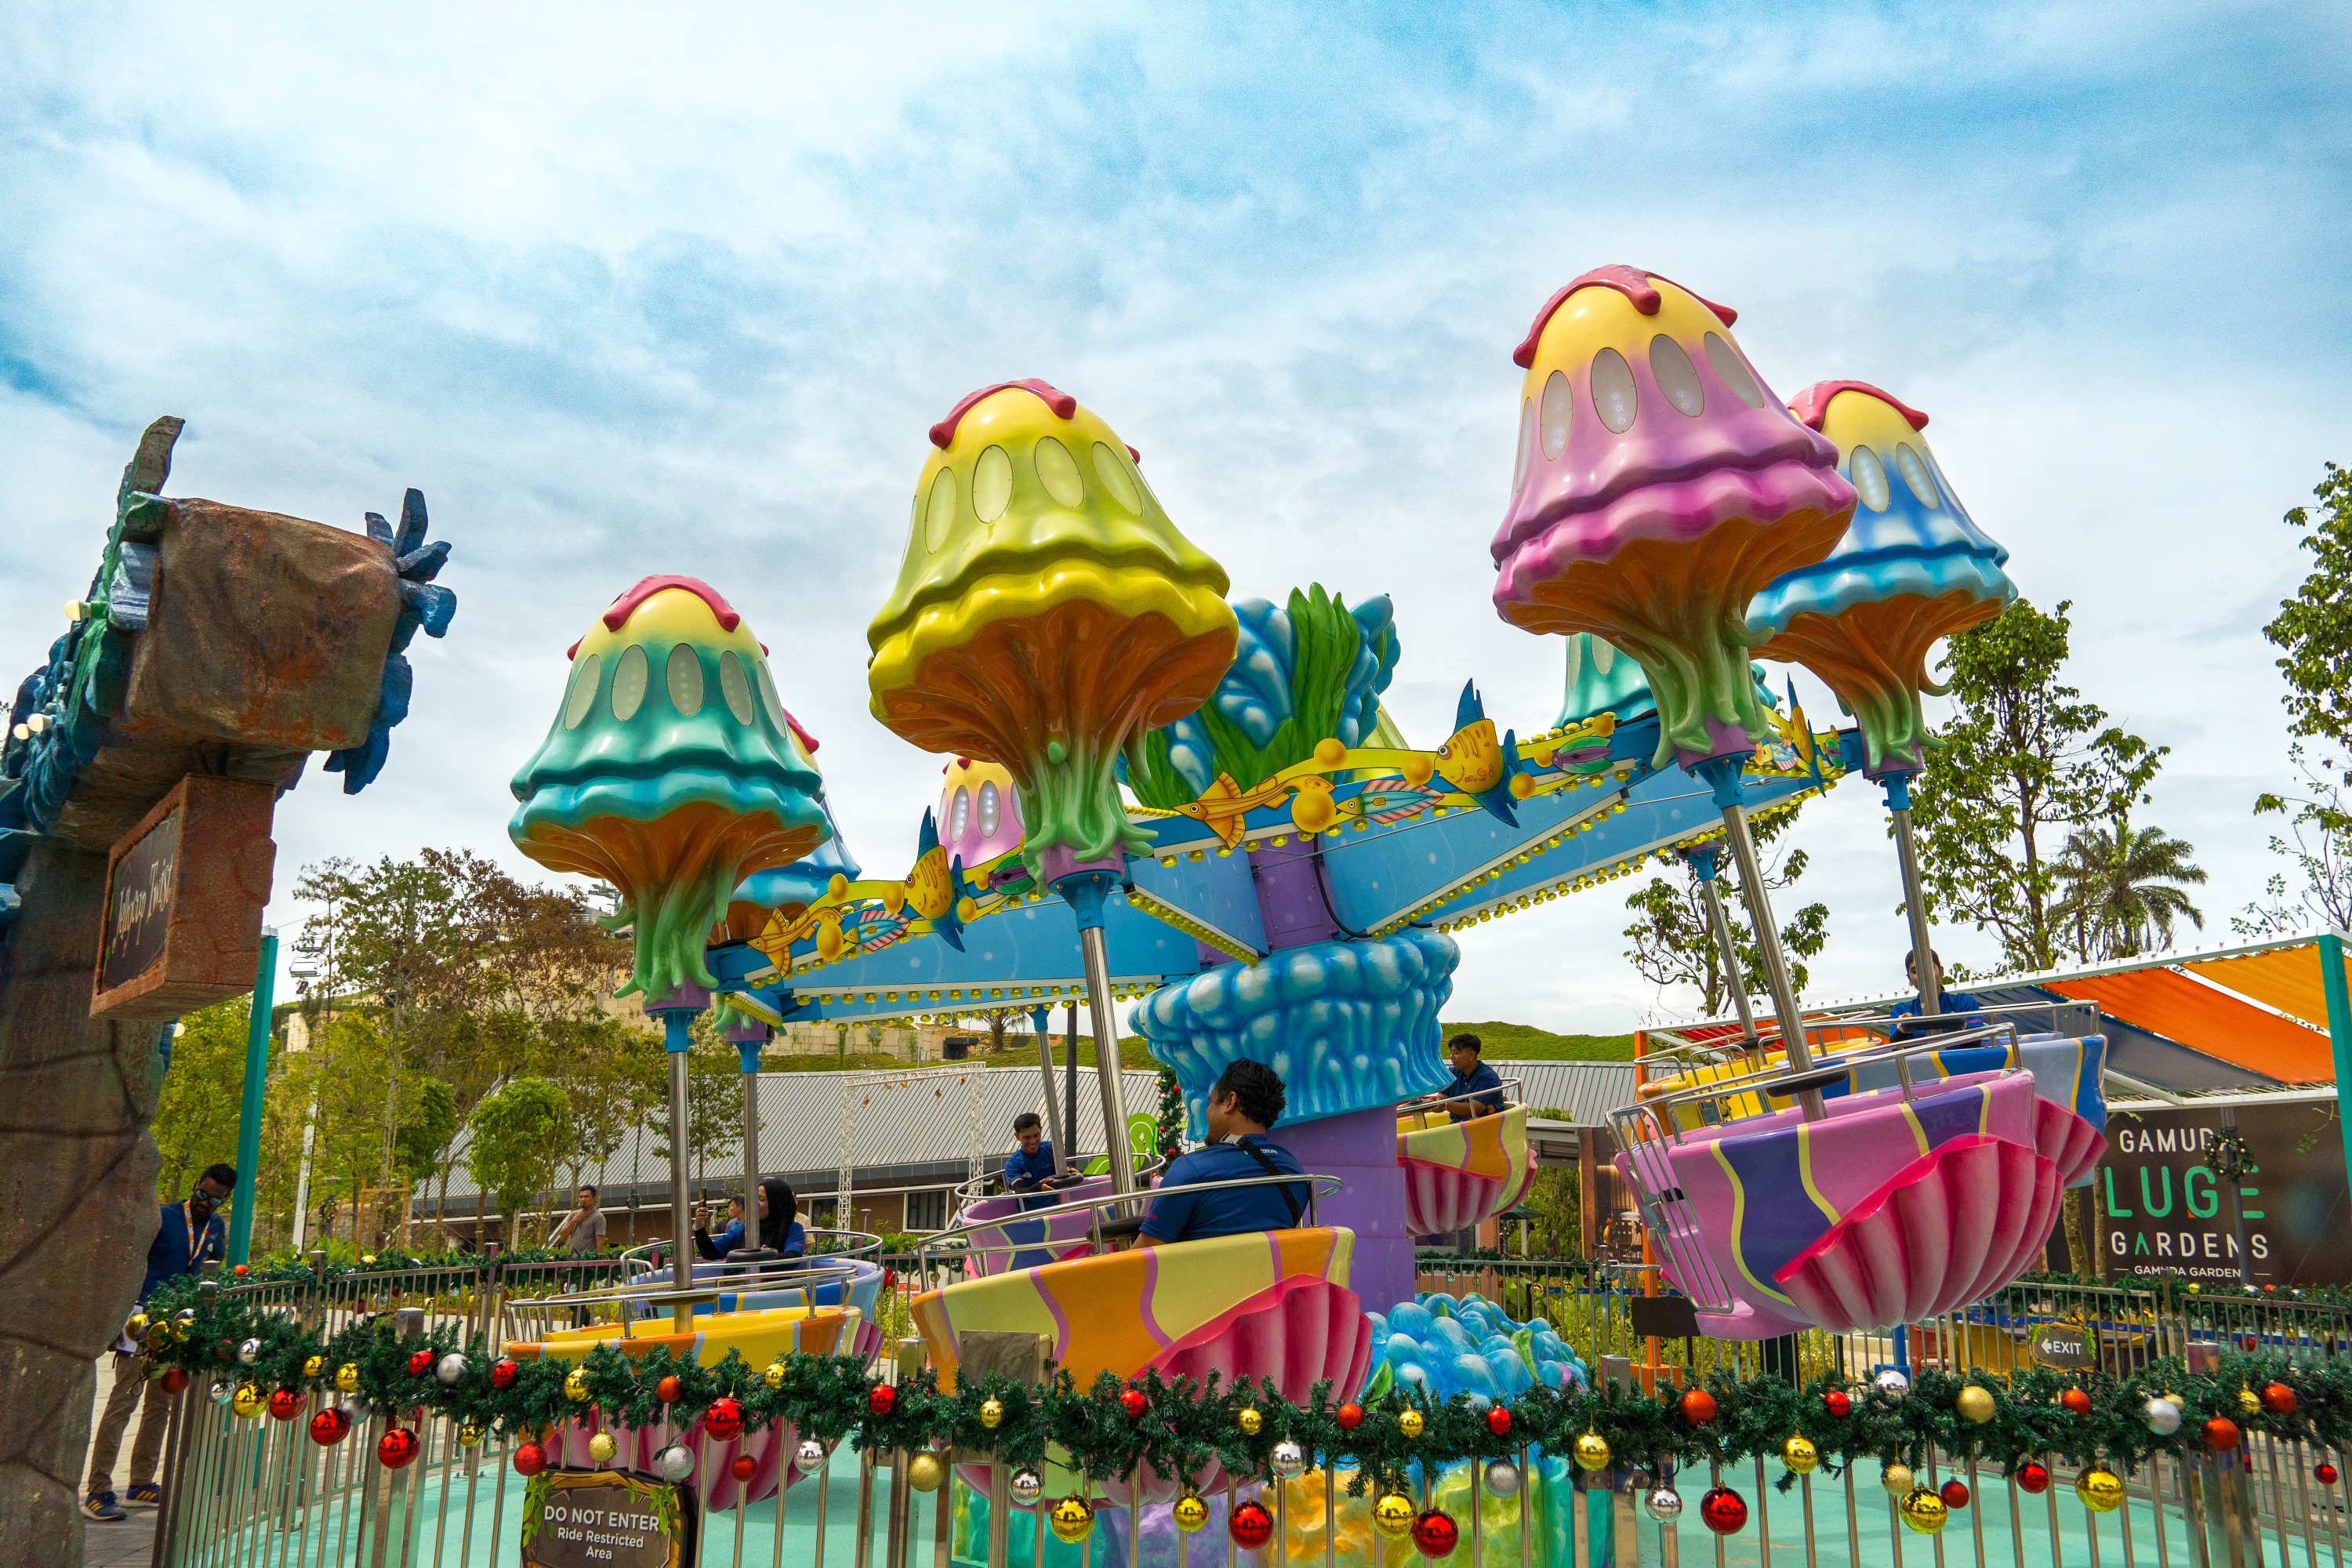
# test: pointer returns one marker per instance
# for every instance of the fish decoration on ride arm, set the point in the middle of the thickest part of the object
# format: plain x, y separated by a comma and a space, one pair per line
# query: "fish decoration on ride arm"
1046, 612
1472, 762
671, 772
1913, 567
1659, 487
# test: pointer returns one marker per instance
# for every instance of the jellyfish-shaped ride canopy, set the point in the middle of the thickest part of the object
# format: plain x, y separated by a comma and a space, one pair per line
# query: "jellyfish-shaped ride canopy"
1913, 567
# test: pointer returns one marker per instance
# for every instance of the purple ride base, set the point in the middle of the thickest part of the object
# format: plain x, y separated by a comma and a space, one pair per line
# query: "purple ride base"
1360, 1149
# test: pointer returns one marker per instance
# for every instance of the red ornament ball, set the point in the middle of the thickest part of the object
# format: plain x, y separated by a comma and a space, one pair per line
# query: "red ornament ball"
1133, 1401
2076, 1402
1350, 1416
1498, 1422
1837, 1402
330, 1427
176, 1378
1725, 1511
2278, 1399
1698, 1409
395, 1448
724, 1419
502, 1376
1252, 1525
530, 1459
667, 1390
242, 1269
744, 1468
2034, 1477
1955, 1494
285, 1403
420, 1362
1435, 1534
882, 1399
2220, 1434
2324, 1473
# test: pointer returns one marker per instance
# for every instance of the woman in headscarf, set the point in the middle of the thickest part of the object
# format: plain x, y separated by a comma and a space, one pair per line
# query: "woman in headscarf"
779, 1226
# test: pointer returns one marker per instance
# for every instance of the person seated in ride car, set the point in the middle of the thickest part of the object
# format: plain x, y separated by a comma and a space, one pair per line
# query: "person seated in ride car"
1248, 1099
1029, 1169
1473, 1077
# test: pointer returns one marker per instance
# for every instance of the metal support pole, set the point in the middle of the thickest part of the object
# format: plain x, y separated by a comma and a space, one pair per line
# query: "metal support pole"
676, 1040
1735, 984
1043, 1018
746, 1041
1070, 1084
1085, 891
1906, 855
1722, 773
248, 1119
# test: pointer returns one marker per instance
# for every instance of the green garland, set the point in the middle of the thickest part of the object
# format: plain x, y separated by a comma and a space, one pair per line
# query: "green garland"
1181, 1425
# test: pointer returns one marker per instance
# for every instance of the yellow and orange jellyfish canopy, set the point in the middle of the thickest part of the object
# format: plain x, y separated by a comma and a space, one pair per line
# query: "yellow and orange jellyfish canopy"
672, 771
1047, 611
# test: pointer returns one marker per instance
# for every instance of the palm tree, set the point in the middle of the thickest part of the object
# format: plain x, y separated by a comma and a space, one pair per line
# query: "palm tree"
2117, 900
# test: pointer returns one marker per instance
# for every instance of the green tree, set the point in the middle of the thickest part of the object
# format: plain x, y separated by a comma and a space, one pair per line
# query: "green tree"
2318, 845
2122, 895
196, 1114
1674, 941
2312, 630
518, 1140
2021, 760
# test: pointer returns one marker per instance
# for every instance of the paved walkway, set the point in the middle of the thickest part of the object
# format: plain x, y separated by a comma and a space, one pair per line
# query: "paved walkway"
131, 1541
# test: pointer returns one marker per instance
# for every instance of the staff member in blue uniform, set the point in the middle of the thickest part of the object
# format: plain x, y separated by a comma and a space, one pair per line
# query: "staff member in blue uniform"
1248, 1099
1474, 1077
1952, 1004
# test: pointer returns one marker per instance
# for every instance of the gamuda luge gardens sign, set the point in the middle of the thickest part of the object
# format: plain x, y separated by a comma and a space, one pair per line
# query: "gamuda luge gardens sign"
2252, 1192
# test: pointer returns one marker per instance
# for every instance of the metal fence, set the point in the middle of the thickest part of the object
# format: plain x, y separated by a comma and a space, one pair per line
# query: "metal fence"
241, 1494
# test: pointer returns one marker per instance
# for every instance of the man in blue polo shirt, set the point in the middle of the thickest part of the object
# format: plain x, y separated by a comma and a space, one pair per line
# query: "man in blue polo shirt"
1248, 1099
192, 1235
1956, 1005
1473, 1079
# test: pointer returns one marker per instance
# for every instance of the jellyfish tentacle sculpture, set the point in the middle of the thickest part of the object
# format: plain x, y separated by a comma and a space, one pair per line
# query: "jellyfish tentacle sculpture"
670, 772
1913, 568
1660, 485
1047, 613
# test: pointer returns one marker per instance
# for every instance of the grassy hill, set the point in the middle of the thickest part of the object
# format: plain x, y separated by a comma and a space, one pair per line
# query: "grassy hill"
1526, 1043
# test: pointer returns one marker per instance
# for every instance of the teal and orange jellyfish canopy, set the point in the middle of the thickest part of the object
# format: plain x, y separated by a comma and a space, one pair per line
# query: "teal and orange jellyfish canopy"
673, 772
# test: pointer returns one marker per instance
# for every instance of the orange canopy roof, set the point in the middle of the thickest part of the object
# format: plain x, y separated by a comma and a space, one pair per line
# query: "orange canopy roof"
2286, 978
2165, 1002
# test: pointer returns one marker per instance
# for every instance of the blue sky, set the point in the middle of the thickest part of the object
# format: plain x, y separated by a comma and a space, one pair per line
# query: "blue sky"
627, 292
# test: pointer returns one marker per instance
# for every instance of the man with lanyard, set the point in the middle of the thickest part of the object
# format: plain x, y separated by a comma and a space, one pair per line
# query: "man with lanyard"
191, 1235
1029, 1173
1475, 1083
1954, 1005
1248, 1099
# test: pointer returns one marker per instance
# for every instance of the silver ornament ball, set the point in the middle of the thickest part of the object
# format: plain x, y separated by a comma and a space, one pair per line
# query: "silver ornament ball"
1891, 1384
1027, 1487
249, 1353
1502, 1477
809, 1455
1286, 1460
451, 1370
674, 1462
2162, 1415
220, 1394
1663, 1504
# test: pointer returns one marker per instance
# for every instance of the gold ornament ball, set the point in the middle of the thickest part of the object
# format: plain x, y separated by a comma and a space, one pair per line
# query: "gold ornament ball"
1249, 1420
601, 1447
576, 1386
1191, 1513
774, 1377
1074, 1520
992, 1412
1975, 1404
924, 1472
1924, 1511
2101, 1489
1592, 1451
137, 1327
1393, 1516
246, 1401
1800, 1455
1897, 1480
315, 1367
2249, 1402
1409, 1423
347, 1377
468, 1434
